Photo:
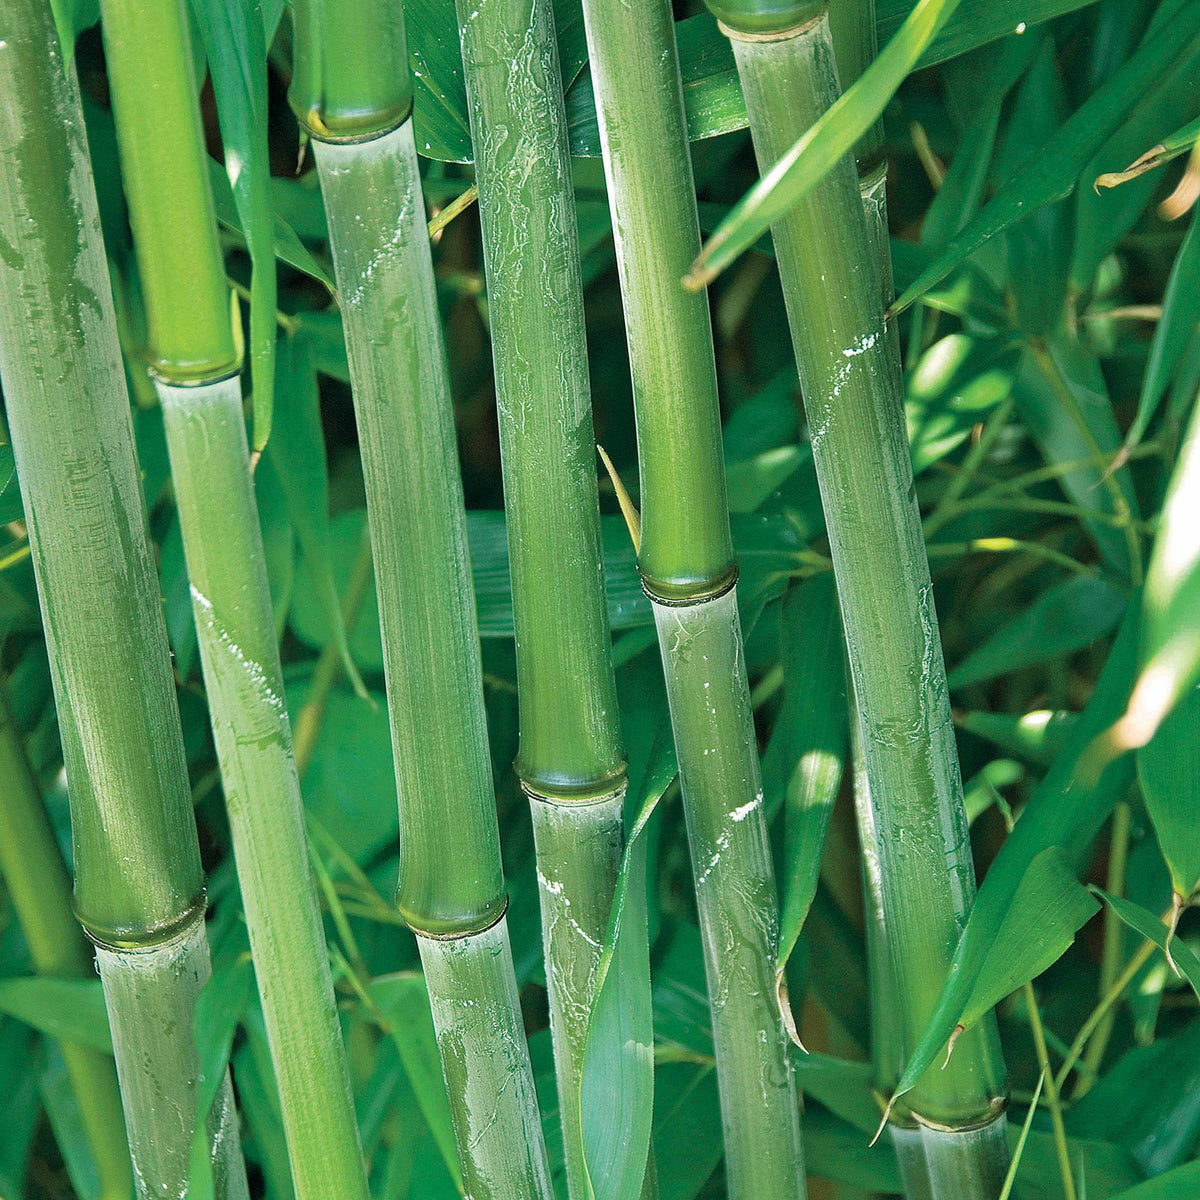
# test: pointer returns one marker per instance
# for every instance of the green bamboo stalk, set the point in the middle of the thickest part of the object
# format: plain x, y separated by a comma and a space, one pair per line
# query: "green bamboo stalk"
853, 399
139, 890
451, 888
688, 570
571, 761
40, 891
164, 163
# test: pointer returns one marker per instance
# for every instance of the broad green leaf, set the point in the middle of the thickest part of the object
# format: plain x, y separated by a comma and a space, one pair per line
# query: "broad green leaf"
1047, 908
1173, 333
218, 1012
825, 144
404, 1003
802, 768
1036, 736
1062, 397
1182, 1183
1054, 173
834, 1149
1102, 1168
297, 452
845, 1088
1065, 617
1142, 920
617, 1082
70, 1134
959, 380
234, 39
752, 480
687, 1128
350, 784
1171, 603
71, 1010
1169, 771
1066, 811
18, 1084
1149, 1102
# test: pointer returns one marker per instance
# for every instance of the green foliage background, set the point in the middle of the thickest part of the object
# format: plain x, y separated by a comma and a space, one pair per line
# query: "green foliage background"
1061, 318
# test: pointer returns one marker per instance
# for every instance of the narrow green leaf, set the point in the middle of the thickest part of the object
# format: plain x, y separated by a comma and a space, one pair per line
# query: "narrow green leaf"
1037, 736
1065, 617
234, 39
1171, 604
404, 1003
297, 452
288, 246
1169, 771
824, 144
1143, 921
617, 1082
1053, 174
71, 1010
806, 755
1047, 908
1180, 318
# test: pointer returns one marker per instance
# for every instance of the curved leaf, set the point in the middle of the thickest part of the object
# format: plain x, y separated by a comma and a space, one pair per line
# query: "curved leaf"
824, 145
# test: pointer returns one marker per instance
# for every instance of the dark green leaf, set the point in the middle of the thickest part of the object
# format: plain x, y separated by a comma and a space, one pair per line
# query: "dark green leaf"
69, 1009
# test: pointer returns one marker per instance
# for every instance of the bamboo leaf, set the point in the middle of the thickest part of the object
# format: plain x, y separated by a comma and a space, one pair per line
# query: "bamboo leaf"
1064, 618
1180, 1184
234, 39
803, 765
617, 1082
1053, 174
1171, 603
1169, 771
1173, 333
297, 451
1065, 811
1037, 736
1047, 909
68, 1009
825, 144
404, 1003
1143, 921
288, 246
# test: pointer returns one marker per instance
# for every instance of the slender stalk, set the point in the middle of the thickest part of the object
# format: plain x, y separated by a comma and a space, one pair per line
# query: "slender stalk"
688, 570
853, 399
571, 760
887, 1033
149, 64
40, 891
139, 887
451, 887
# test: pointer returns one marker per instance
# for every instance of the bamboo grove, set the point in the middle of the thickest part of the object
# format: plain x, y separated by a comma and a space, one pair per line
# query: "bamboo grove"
600, 600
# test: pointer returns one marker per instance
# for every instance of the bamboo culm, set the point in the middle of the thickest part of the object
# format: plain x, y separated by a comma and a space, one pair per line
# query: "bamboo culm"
139, 886
853, 401
165, 168
688, 570
37, 883
384, 269
571, 760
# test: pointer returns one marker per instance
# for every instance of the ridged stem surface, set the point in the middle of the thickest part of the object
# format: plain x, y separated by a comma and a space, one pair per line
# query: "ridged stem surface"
735, 892
853, 401
137, 862
578, 850
570, 739
39, 889
485, 1059
231, 603
151, 994
155, 102
451, 885
686, 558
570, 744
